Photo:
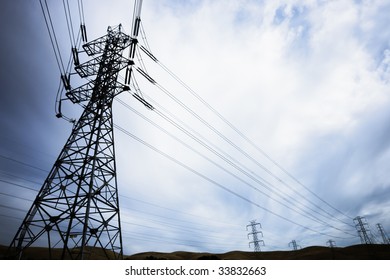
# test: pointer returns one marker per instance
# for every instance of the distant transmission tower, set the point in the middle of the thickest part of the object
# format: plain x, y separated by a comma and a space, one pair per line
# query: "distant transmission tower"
363, 230
255, 240
294, 245
331, 243
77, 208
383, 234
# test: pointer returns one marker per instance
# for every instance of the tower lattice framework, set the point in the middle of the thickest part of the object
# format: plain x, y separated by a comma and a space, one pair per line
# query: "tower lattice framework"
363, 230
254, 233
77, 209
383, 234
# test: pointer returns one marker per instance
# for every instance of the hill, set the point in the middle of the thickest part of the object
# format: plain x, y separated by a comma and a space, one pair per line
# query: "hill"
355, 252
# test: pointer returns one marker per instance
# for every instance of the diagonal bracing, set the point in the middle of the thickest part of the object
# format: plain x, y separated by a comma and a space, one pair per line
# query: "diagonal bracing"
77, 209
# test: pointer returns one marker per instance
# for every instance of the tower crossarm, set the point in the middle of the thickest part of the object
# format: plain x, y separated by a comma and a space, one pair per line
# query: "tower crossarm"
98, 45
257, 243
253, 225
91, 67
255, 233
84, 92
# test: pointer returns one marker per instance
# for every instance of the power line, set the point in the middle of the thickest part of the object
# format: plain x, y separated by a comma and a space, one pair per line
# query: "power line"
143, 36
70, 27
23, 163
176, 227
177, 241
83, 28
238, 148
178, 212
243, 135
173, 225
172, 119
18, 185
81, 11
229, 141
69, 22
208, 147
147, 51
176, 161
52, 35
12, 208
65, 76
305, 214
122, 196
180, 227
150, 237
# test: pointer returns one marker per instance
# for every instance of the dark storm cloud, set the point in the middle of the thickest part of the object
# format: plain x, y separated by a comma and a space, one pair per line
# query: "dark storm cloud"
27, 94
26, 67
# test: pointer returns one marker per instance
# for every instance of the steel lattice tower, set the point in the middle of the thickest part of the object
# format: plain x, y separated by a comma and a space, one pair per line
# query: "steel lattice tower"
294, 245
77, 208
363, 230
331, 243
256, 241
383, 234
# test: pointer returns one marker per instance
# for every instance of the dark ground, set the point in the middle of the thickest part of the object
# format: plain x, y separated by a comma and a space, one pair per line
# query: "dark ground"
356, 252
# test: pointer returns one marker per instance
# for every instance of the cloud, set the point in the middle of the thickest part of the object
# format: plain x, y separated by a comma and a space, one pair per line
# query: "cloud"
306, 81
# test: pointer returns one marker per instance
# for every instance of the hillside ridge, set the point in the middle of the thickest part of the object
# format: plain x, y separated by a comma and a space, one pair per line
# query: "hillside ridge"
354, 252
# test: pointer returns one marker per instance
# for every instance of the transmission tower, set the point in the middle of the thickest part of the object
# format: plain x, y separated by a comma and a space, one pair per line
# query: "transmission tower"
383, 234
331, 243
255, 240
363, 230
294, 244
77, 209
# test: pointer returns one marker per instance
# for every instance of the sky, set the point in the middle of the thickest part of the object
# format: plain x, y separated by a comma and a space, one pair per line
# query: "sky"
305, 84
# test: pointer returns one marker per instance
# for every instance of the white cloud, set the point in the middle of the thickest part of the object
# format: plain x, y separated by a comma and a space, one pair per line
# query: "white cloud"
300, 88
299, 78
384, 67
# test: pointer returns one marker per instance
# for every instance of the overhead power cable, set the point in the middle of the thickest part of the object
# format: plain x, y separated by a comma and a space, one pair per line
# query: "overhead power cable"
12, 208
179, 212
177, 227
220, 116
52, 35
15, 196
234, 128
81, 11
300, 211
23, 163
143, 36
18, 185
124, 207
215, 183
83, 28
226, 139
172, 119
224, 158
179, 242
147, 52
196, 229
18, 177
69, 22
